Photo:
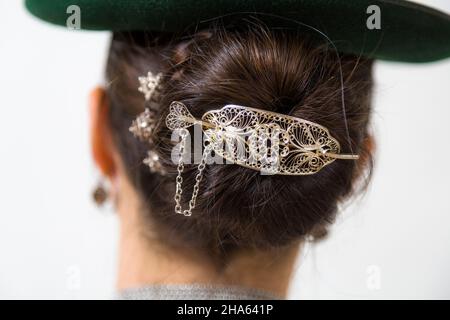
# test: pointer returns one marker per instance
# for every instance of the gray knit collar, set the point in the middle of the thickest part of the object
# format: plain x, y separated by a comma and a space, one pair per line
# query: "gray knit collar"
194, 292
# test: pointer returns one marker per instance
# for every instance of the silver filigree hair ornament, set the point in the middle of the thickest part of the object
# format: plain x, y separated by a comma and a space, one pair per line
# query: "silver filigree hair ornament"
145, 123
143, 126
149, 84
265, 141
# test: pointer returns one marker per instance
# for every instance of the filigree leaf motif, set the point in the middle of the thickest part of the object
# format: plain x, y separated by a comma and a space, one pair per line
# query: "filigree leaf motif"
309, 145
302, 163
313, 138
242, 136
233, 124
240, 118
179, 117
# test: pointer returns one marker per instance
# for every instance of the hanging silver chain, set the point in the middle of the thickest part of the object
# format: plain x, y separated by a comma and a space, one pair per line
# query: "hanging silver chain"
179, 179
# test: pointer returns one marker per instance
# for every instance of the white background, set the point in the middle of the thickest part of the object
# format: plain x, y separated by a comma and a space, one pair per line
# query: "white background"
54, 243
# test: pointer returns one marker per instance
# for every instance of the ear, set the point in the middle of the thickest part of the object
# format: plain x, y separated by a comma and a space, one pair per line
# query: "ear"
101, 139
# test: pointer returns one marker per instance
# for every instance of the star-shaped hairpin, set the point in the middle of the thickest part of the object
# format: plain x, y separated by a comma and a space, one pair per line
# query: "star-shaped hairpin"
149, 84
142, 127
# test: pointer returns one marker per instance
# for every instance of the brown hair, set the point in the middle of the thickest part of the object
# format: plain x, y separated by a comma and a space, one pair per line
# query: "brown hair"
276, 70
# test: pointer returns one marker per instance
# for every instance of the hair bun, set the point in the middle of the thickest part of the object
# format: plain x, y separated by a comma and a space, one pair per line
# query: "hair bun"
271, 70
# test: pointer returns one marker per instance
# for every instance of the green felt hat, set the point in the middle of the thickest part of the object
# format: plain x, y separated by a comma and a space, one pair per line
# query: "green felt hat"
408, 31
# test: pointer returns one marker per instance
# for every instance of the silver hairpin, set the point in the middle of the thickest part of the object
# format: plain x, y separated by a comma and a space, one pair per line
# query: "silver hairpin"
142, 127
149, 84
241, 134
152, 161
144, 124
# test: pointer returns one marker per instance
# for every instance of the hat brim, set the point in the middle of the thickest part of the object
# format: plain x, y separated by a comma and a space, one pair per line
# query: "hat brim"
409, 32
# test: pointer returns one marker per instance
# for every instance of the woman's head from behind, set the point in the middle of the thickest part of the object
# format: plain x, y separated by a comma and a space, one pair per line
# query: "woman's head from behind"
237, 208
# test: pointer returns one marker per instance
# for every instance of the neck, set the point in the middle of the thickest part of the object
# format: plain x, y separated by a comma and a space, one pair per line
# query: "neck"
143, 261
